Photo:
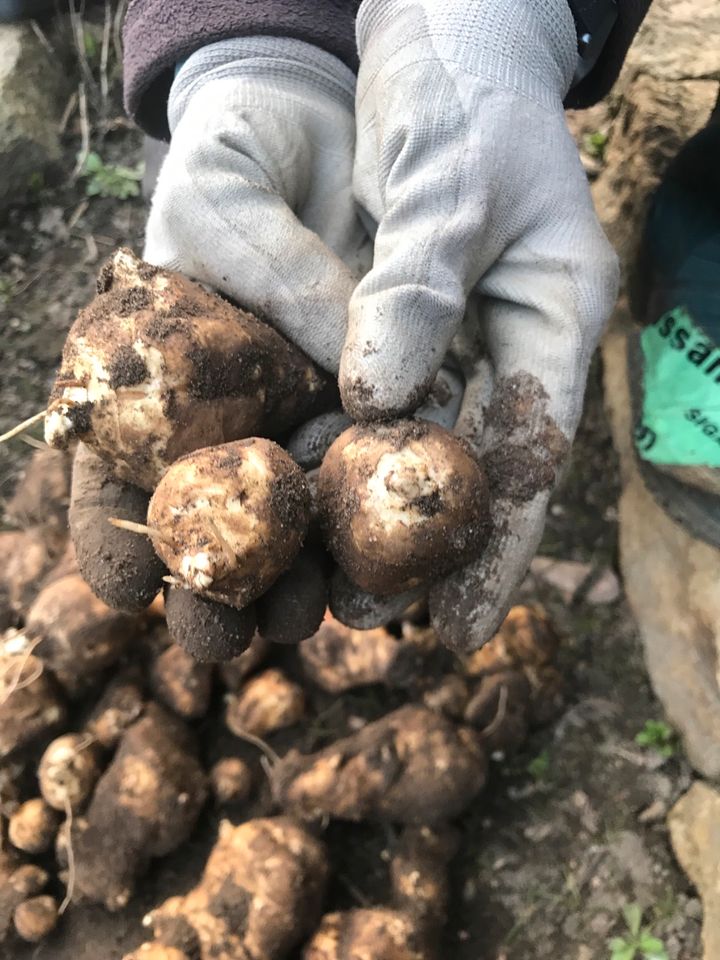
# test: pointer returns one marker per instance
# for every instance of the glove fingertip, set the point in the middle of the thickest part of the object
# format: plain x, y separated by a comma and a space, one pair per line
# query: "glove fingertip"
293, 608
210, 632
121, 568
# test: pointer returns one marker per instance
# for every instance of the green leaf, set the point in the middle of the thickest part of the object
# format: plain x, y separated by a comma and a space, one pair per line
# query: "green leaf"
540, 766
90, 44
93, 163
633, 917
651, 947
625, 951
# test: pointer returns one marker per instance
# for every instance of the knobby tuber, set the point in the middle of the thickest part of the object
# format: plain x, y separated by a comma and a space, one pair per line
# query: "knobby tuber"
338, 658
26, 559
412, 766
260, 894
156, 367
401, 504
42, 495
119, 707
376, 934
267, 703
231, 780
449, 696
33, 826
68, 771
526, 636
182, 683
156, 951
145, 805
35, 918
518, 684
30, 704
81, 636
228, 520
411, 928
18, 882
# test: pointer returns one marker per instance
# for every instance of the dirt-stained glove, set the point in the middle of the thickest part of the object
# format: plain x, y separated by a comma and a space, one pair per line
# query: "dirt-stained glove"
255, 195
254, 198
465, 164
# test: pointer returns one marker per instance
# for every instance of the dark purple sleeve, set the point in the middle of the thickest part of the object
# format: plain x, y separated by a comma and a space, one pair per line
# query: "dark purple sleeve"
598, 82
158, 34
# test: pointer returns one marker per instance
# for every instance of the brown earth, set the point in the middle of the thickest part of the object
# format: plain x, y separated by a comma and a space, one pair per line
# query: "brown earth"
568, 831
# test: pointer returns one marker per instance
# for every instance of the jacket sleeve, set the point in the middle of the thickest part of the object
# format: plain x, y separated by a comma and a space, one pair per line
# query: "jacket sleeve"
158, 34
598, 82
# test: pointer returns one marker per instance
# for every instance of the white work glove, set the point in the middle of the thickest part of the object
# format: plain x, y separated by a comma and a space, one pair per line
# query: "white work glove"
255, 195
255, 199
466, 166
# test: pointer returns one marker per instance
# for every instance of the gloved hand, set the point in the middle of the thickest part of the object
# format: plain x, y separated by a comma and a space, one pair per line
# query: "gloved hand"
466, 166
254, 198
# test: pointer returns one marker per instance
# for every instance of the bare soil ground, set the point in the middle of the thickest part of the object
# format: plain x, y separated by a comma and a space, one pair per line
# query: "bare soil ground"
569, 830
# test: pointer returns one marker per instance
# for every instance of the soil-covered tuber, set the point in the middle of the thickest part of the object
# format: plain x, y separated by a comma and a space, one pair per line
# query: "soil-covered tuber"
229, 520
401, 504
378, 933
156, 367
81, 636
35, 918
18, 883
68, 771
411, 928
119, 707
30, 704
145, 805
33, 826
26, 560
412, 766
231, 780
526, 637
338, 658
181, 683
41, 496
260, 894
267, 703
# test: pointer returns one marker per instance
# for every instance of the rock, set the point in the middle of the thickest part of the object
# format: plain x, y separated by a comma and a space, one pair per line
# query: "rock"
693, 25
694, 824
33, 88
567, 576
671, 586
606, 588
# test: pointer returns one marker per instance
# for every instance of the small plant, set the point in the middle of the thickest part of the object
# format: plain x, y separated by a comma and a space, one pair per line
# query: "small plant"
638, 943
111, 180
36, 181
657, 735
7, 288
595, 144
539, 767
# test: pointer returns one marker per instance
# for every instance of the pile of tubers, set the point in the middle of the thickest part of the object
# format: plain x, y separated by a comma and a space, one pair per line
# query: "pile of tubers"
185, 397
119, 728
103, 771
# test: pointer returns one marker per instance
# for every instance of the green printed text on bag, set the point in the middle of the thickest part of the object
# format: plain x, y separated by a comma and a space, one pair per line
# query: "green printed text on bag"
681, 394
